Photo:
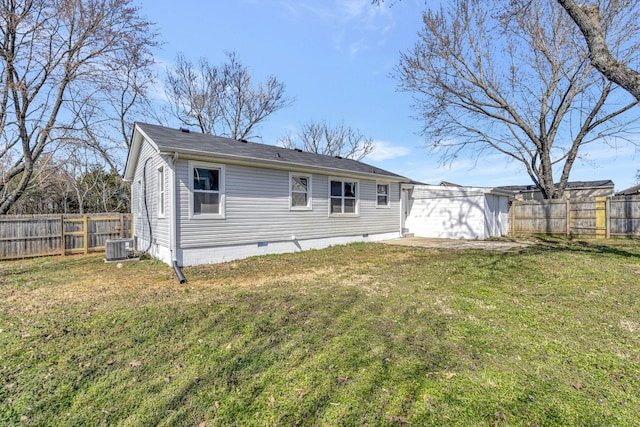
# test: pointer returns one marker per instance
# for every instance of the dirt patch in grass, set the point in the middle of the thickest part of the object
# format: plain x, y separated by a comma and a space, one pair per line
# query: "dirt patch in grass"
490, 244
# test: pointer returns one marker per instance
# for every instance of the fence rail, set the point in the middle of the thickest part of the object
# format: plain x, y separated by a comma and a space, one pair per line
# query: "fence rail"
597, 217
26, 236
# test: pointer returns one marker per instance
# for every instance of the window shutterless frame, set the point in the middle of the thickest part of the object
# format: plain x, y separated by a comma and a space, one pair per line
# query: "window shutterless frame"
206, 190
382, 194
344, 197
300, 192
161, 192
139, 197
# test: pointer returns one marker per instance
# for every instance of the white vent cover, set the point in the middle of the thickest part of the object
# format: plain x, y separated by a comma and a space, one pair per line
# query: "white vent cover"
119, 249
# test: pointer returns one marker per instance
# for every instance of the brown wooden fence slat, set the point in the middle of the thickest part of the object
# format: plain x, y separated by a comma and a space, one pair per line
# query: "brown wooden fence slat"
594, 217
26, 236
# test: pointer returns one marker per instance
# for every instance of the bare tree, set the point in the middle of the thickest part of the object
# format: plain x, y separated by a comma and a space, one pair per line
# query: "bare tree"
51, 52
222, 100
595, 26
48, 190
111, 192
78, 171
79, 183
104, 116
486, 80
323, 138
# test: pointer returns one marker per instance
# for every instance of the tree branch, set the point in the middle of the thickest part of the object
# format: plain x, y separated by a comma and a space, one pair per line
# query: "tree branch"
587, 18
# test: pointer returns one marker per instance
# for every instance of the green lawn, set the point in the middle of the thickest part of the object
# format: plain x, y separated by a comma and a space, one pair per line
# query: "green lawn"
364, 334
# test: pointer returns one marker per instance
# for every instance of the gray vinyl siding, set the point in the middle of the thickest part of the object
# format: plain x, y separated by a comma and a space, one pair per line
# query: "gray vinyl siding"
257, 210
160, 226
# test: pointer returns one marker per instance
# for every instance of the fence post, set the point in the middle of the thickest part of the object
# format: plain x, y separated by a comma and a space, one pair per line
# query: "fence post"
512, 222
608, 215
122, 226
568, 217
601, 217
63, 243
85, 233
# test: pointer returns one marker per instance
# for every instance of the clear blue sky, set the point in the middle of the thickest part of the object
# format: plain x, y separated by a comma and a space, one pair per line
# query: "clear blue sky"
335, 58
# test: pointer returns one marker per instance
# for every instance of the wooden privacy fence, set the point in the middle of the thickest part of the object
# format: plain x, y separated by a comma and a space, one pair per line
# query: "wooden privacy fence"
26, 236
599, 217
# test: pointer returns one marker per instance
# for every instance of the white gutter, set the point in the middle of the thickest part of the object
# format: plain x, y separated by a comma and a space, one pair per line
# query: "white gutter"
281, 165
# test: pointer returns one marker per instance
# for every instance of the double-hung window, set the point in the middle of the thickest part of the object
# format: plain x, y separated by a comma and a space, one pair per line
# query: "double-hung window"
161, 191
344, 196
382, 195
139, 197
207, 190
300, 191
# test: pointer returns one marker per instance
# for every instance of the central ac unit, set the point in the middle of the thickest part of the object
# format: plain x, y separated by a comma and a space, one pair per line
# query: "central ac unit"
119, 249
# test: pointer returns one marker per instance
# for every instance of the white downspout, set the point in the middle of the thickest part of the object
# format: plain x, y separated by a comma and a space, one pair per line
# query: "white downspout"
173, 244
173, 223
402, 192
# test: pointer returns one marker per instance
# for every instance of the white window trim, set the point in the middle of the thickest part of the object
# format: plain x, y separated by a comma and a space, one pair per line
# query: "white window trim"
162, 192
194, 164
139, 200
388, 204
309, 196
343, 180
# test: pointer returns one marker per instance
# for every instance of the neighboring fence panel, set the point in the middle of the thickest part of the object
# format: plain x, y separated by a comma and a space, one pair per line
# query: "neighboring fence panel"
584, 217
539, 217
597, 217
23, 236
624, 216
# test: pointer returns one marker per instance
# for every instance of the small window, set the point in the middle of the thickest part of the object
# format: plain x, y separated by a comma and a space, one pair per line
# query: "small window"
382, 195
207, 190
344, 197
139, 197
300, 192
161, 191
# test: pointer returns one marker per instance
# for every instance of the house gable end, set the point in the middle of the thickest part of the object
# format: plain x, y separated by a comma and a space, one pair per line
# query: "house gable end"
137, 140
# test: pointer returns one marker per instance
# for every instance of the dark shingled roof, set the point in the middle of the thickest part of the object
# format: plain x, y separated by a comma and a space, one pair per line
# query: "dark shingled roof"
570, 185
175, 140
629, 191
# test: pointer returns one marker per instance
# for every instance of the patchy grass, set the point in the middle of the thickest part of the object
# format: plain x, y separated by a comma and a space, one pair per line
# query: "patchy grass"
352, 335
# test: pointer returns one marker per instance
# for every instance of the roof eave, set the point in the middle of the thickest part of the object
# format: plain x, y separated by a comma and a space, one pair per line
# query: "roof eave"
277, 164
500, 192
132, 156
137, 139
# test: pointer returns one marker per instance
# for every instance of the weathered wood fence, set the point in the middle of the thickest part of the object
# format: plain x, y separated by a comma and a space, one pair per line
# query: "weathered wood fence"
26, 236
599, 217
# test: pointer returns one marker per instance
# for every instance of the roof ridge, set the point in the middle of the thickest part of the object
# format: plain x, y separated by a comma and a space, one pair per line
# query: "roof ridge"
172, 139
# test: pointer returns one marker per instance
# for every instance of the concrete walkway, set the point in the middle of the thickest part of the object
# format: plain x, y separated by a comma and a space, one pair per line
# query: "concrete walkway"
424, 242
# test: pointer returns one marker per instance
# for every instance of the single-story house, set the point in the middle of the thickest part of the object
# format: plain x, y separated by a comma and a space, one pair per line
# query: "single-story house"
199, 198
631, 191
574, 190
457, 212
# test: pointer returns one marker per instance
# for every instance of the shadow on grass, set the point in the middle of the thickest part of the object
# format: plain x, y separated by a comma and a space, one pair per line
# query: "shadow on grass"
623, 248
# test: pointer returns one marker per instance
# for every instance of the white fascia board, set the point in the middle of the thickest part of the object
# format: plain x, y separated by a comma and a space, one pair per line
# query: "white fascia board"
462, 191
280, 165
499, 192
137, 140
